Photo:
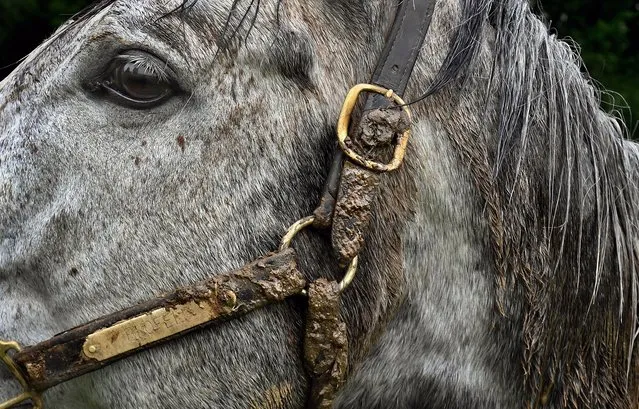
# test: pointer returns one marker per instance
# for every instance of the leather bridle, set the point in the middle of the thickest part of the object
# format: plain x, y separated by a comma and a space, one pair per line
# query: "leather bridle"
381, 126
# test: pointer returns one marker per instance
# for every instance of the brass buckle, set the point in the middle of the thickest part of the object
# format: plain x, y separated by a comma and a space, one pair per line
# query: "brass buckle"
344, 122
300, 225
27, 392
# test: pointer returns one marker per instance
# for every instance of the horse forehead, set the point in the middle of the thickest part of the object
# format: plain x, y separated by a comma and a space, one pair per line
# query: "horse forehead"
181, 14
160, 8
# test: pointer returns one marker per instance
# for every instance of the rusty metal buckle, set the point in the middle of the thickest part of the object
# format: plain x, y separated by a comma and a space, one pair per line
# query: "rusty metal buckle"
345, 119
27, 392
300, 225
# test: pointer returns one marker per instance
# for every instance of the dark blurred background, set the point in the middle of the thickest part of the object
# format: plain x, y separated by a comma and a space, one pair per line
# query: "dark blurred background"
606, 32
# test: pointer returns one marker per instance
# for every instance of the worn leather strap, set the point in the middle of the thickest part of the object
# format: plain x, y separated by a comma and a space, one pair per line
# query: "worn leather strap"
350, 190
403, 44
99, 343
325, 344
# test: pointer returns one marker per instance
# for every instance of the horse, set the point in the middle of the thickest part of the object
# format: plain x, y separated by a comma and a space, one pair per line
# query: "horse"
150, 144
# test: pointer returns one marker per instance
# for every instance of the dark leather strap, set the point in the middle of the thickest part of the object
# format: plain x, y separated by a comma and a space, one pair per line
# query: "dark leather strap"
84, 349
343, 189
403, 44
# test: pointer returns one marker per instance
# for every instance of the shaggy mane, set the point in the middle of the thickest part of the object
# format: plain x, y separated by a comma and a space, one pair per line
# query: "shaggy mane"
563, 190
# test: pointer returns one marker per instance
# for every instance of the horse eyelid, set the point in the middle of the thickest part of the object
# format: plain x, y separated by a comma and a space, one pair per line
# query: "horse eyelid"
107, 83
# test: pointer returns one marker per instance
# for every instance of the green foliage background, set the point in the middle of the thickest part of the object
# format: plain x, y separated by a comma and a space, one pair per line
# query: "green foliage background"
606, 31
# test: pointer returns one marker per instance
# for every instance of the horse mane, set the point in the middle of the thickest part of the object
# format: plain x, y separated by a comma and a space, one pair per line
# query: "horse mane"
561, 189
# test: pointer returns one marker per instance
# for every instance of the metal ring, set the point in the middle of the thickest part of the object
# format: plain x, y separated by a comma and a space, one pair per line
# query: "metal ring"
300, 225
27, 392
350, 274
344, 122
295, 228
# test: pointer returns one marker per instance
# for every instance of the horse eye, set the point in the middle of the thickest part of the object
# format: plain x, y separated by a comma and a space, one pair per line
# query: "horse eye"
138, 80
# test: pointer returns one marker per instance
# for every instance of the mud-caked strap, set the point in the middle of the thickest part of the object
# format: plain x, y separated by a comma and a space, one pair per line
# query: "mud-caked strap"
359, 186
348, 198
325, 344
99, 343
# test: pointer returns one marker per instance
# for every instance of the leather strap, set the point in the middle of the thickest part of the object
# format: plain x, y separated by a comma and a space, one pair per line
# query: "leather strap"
351, 190
403, 44
325, 344
110, 338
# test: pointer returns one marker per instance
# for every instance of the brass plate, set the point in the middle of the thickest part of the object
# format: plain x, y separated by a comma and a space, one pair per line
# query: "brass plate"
136, 332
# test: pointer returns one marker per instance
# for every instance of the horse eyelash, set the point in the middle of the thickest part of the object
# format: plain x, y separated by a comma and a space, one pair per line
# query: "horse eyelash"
162, 71
147, 65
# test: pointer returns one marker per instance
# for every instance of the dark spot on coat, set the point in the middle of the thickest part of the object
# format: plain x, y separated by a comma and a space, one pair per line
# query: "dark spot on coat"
137, 161
143, 143
74, 272
181, 142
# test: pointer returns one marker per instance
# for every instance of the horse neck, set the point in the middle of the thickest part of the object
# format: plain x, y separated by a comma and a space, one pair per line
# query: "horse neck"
463, 257
445, 323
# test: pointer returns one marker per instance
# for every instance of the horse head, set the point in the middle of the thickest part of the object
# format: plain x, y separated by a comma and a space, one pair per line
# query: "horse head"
147, 145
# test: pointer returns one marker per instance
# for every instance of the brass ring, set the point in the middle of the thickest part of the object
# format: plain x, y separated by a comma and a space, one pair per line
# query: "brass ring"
295, 228
350, 274
27, 392
300, 225
345, 119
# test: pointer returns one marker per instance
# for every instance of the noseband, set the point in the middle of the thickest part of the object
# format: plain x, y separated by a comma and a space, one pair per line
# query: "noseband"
345, 209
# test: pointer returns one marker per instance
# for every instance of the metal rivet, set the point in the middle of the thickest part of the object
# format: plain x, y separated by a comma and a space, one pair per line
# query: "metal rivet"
230, 299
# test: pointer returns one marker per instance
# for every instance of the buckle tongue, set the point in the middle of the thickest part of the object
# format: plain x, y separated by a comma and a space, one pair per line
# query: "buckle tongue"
27, 392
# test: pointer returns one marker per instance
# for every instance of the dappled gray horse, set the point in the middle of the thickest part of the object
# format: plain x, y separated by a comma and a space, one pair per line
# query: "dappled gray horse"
501, 268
